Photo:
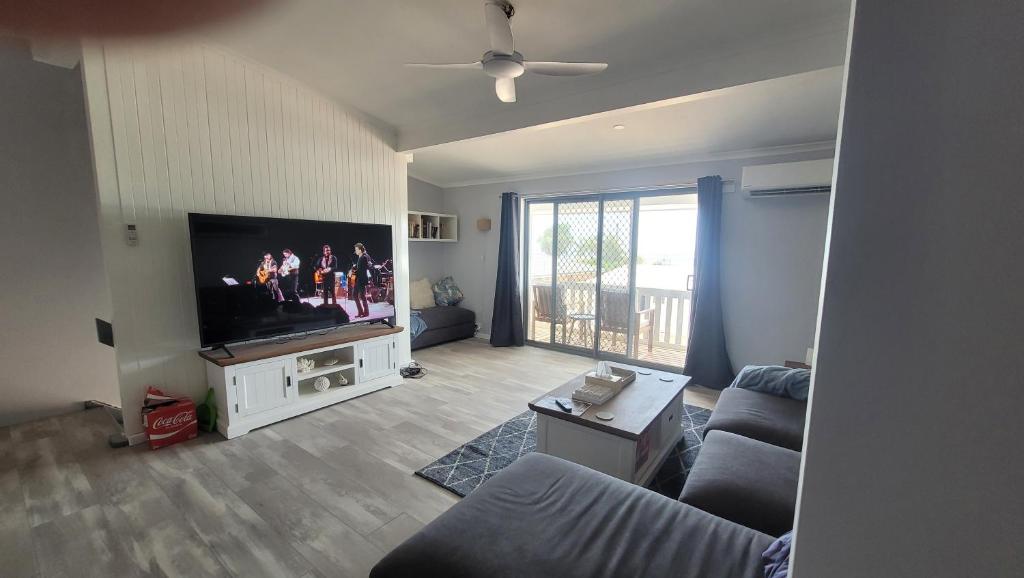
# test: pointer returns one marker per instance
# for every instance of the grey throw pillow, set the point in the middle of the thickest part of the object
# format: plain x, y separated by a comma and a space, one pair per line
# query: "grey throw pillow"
446, 292
776, 557
775, 380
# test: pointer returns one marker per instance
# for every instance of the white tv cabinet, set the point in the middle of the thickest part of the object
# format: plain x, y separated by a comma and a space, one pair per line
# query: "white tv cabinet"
261, 383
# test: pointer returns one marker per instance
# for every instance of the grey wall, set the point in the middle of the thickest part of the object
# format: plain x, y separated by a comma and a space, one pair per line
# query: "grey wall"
772, 252
427, 259
913, 464
55, 283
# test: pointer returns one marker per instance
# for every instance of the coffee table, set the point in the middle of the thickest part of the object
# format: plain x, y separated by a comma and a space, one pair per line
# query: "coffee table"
631, 446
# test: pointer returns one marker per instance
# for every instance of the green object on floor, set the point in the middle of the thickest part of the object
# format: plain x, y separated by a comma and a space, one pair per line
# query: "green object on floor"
206, 413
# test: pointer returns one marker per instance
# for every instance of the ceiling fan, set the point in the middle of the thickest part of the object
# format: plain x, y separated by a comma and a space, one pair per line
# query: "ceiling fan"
504, 64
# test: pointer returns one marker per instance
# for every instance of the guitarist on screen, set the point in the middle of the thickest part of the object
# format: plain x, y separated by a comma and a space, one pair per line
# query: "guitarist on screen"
266, 275
324, 274
362, 274
288, 273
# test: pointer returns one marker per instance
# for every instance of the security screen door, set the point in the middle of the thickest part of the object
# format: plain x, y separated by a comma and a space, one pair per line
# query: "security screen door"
609, 275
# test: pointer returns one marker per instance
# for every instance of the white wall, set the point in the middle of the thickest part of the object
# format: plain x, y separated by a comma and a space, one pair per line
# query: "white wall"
427, 259
772, 251
188, 127
913, 461
54, 284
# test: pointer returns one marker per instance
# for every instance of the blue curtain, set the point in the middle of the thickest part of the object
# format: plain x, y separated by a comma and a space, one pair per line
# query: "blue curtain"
507, 317
707, 359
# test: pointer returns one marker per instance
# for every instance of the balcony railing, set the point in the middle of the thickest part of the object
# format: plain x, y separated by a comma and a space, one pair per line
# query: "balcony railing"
668, 312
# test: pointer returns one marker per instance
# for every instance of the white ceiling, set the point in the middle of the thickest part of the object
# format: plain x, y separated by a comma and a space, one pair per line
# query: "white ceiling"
798, 112
353, 51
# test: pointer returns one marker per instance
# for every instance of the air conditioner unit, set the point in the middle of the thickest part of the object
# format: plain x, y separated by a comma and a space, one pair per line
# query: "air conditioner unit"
799, 178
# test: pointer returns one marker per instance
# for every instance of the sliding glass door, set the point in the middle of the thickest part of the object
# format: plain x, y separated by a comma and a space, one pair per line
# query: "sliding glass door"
607, 275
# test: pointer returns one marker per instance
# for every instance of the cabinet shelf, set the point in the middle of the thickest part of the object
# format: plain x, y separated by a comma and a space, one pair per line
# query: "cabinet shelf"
319, 371
306, 380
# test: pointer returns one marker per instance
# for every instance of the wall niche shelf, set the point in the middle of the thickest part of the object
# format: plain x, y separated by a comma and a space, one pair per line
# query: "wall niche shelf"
435, 227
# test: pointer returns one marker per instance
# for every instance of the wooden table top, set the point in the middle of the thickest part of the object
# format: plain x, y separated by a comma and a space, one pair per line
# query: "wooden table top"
256, 351
635, 407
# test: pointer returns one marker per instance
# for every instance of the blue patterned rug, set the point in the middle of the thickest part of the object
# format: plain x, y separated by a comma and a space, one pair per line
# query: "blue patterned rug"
463, 469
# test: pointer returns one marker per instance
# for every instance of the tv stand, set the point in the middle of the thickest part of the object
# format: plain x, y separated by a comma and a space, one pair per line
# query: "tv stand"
226, 350
260, 383
385, 321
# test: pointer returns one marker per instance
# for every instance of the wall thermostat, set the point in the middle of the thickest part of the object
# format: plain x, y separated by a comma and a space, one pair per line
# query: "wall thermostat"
131, 235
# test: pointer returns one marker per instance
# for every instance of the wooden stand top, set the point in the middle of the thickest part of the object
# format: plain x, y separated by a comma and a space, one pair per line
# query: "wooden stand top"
257, 351
635, 407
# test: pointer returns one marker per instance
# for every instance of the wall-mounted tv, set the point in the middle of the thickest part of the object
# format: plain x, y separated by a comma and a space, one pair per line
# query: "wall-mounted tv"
259, 277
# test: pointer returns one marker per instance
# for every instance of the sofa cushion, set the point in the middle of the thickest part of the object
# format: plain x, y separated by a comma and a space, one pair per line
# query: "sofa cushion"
775, 380
764, 417
746, 481
441, 317
421, 295
447, 292
543, 516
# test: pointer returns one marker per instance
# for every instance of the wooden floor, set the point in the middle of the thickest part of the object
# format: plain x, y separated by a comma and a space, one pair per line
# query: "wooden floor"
324, 494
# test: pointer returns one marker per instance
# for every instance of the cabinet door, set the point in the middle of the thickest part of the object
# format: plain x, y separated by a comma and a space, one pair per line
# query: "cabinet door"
376, 359
261, 387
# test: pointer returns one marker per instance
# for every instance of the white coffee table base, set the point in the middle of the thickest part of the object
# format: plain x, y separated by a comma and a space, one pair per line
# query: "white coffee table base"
608, 453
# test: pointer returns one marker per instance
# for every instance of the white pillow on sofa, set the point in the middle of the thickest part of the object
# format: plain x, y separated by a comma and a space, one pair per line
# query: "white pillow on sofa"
421, 294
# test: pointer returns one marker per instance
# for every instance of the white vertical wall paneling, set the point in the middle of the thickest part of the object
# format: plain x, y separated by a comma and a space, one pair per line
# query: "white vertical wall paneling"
316, 112
275, 180
99, 102
179, 128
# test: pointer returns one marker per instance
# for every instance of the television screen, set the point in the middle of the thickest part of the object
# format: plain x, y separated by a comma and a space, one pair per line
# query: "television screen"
259, 277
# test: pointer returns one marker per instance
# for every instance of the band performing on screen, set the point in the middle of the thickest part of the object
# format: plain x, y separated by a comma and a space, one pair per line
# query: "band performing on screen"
364, 282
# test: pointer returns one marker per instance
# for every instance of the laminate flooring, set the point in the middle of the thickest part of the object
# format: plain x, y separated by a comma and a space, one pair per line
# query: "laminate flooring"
324, 494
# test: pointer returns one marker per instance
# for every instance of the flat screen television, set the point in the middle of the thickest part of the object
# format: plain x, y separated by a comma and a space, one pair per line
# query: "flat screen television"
259, 277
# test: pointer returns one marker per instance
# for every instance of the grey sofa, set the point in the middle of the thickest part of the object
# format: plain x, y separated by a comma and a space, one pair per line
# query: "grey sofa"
749, 464
542, 516
445, 324
768, 418
745, 481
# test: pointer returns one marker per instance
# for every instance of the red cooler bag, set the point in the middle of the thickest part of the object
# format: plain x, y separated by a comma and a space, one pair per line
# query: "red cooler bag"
168, 419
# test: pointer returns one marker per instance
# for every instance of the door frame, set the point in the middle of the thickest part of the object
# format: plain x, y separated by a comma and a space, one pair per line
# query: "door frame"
556, 200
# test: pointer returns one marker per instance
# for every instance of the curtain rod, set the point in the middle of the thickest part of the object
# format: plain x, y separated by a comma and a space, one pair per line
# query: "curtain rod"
649, 188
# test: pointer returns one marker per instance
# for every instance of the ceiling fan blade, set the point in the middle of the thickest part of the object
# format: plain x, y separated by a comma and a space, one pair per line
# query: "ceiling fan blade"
565, 68
464, 66
499, 29
505, 88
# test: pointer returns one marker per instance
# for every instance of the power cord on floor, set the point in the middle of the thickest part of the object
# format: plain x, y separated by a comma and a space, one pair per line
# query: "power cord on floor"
413, 371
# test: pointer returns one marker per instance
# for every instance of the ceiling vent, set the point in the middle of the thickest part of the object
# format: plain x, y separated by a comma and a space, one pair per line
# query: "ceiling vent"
784, 179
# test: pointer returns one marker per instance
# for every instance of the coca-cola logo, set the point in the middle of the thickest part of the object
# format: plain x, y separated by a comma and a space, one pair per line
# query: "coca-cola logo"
182, 418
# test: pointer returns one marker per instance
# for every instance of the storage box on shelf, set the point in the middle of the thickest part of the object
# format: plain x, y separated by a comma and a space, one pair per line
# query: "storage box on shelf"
439, 227
262, 383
